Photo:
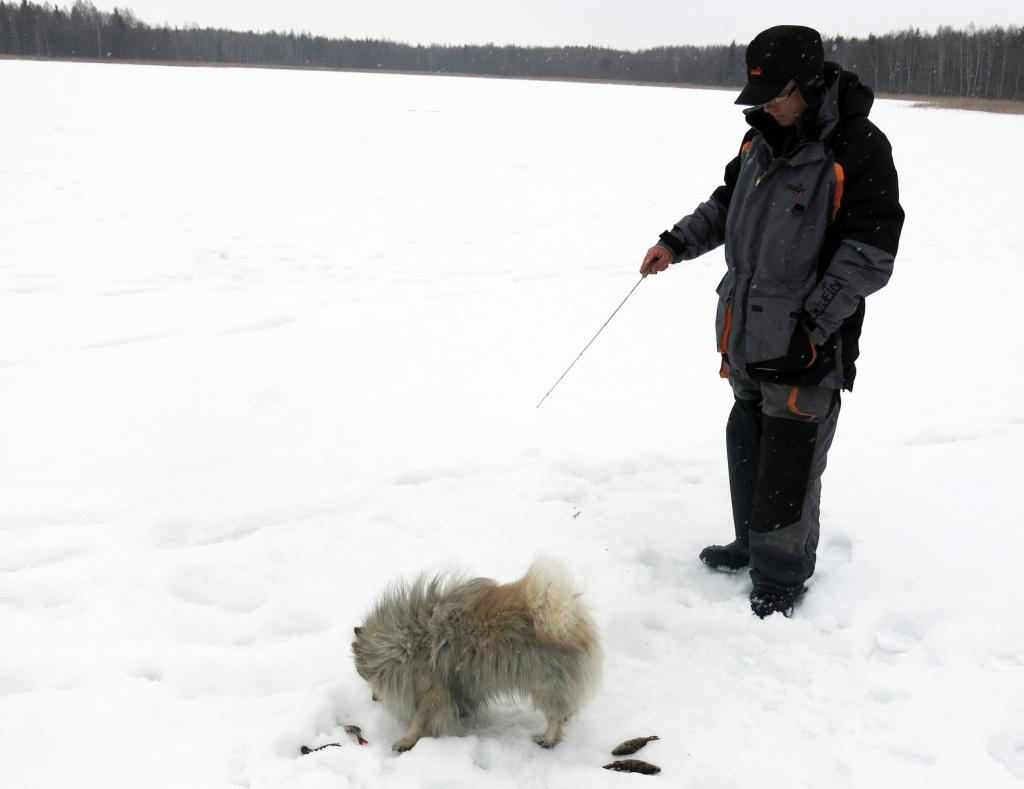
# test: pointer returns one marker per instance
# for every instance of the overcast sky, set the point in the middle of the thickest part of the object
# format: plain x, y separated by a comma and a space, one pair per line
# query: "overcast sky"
623, 24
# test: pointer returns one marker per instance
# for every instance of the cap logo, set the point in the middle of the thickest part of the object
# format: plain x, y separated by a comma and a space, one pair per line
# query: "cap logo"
755, 72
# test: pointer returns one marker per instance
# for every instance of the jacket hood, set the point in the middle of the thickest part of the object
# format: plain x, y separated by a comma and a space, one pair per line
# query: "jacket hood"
853, 96
845, 97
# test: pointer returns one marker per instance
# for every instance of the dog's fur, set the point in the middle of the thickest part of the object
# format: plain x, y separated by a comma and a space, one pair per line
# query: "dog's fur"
442, 647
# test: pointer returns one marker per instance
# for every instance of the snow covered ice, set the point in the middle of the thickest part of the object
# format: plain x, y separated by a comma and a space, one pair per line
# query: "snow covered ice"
270, 339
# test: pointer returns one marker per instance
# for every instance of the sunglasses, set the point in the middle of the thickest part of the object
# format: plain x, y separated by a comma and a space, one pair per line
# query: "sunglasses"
782, 98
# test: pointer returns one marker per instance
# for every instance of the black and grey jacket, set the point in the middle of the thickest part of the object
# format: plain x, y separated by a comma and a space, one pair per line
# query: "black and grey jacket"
811, 220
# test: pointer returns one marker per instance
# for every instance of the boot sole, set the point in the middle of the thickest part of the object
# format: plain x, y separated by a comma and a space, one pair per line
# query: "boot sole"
725, 568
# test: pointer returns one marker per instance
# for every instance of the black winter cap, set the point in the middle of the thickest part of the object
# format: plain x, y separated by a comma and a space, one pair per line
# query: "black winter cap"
780, 54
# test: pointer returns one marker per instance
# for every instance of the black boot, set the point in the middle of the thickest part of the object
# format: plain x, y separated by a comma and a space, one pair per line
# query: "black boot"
727, 558
766, 600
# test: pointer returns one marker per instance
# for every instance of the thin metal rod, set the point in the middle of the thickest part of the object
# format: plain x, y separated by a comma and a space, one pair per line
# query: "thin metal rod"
637, 285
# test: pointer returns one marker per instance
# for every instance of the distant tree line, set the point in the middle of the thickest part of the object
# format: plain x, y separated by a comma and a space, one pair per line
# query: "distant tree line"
982, 63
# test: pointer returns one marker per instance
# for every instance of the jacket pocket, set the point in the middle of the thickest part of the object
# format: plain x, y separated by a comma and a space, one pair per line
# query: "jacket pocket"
776, 339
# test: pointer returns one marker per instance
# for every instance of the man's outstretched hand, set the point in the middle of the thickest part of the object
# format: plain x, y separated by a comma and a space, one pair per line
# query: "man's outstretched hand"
657, 259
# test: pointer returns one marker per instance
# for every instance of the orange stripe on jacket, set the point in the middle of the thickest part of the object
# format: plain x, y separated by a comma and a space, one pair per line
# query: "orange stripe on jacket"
723, 341
840, 179
792, 402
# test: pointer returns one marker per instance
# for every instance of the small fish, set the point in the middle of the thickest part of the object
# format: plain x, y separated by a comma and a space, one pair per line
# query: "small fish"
357, 733
306, 749
632, 746
633, 766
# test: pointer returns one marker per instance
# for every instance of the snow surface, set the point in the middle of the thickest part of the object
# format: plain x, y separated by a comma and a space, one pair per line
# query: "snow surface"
271, 339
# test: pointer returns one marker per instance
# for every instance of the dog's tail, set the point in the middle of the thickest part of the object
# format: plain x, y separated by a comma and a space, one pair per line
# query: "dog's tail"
556, 603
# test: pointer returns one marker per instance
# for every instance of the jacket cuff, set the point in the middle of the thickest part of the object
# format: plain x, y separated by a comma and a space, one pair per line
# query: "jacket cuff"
817, 335
666, 239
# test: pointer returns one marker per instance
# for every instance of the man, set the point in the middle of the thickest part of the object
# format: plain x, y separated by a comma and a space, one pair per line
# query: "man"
810, 217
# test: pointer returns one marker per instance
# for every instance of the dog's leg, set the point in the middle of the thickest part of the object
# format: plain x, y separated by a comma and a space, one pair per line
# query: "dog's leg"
432, 712
557, 712
434, 708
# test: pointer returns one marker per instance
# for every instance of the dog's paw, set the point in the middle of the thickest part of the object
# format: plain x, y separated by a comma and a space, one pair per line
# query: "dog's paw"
544, 742
403, 745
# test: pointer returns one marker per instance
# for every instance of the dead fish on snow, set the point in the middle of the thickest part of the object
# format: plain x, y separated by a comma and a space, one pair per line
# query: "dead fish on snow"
632, 746
358, 733
633, 766
355, 731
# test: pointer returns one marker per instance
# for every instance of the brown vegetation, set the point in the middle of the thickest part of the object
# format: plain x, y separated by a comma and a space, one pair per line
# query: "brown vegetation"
1000, 106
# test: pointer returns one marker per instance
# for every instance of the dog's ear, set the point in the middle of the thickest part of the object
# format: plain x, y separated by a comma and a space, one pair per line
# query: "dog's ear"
358, 630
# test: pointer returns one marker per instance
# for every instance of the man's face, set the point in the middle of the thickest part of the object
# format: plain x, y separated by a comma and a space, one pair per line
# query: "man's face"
788, 107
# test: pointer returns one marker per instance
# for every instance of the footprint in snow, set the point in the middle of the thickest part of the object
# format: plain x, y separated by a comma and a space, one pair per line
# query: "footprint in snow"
897, 634
1007, 748
838, 548
267, 324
